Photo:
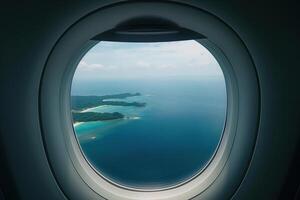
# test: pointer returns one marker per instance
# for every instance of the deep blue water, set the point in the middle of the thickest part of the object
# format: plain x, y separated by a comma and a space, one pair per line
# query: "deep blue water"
162, 144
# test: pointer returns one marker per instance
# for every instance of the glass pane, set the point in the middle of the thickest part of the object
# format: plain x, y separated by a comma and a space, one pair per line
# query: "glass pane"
148, 115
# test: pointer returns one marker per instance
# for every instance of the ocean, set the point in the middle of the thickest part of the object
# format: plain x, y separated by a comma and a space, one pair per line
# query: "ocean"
166, 142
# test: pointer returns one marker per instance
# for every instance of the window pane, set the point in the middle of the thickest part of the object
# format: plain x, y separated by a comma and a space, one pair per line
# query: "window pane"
148, 115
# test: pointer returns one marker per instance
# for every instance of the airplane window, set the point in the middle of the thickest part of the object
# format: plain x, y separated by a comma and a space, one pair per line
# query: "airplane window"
148, 115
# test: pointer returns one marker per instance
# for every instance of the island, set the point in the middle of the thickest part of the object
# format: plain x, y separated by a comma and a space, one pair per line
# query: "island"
81, 103
93, 116
85, 102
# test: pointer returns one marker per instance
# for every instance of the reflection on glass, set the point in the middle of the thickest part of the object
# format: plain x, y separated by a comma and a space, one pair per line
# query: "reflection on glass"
148, 115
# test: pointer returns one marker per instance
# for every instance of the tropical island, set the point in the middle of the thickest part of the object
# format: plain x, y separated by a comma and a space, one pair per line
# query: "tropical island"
93, 116
81, 103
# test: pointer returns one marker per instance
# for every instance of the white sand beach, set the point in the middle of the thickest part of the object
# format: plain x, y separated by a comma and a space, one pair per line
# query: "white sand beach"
77, 123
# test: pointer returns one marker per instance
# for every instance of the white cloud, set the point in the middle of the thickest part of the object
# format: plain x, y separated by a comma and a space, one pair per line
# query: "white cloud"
119, 60
143, 64
84, 66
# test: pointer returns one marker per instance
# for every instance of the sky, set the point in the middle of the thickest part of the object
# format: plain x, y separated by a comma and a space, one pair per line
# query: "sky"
125, 60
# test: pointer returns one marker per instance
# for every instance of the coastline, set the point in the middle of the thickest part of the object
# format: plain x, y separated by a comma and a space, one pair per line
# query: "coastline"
77, 124
89, 109
133, 118
126, 118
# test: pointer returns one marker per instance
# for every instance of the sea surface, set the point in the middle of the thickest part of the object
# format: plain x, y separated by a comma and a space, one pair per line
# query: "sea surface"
160, 145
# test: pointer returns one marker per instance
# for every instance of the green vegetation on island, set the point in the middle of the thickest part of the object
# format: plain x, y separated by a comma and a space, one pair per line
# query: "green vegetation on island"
80, 103
93, 116
120, 96
85, 102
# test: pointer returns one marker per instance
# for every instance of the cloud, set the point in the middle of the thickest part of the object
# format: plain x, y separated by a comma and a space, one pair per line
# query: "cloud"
84, 66
143, 64
120, 59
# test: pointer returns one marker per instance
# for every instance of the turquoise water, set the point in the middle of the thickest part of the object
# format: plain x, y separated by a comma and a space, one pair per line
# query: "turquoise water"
162, 144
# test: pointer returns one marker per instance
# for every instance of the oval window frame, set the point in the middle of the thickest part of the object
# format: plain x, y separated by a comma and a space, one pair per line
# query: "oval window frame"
206, 44
74, 175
